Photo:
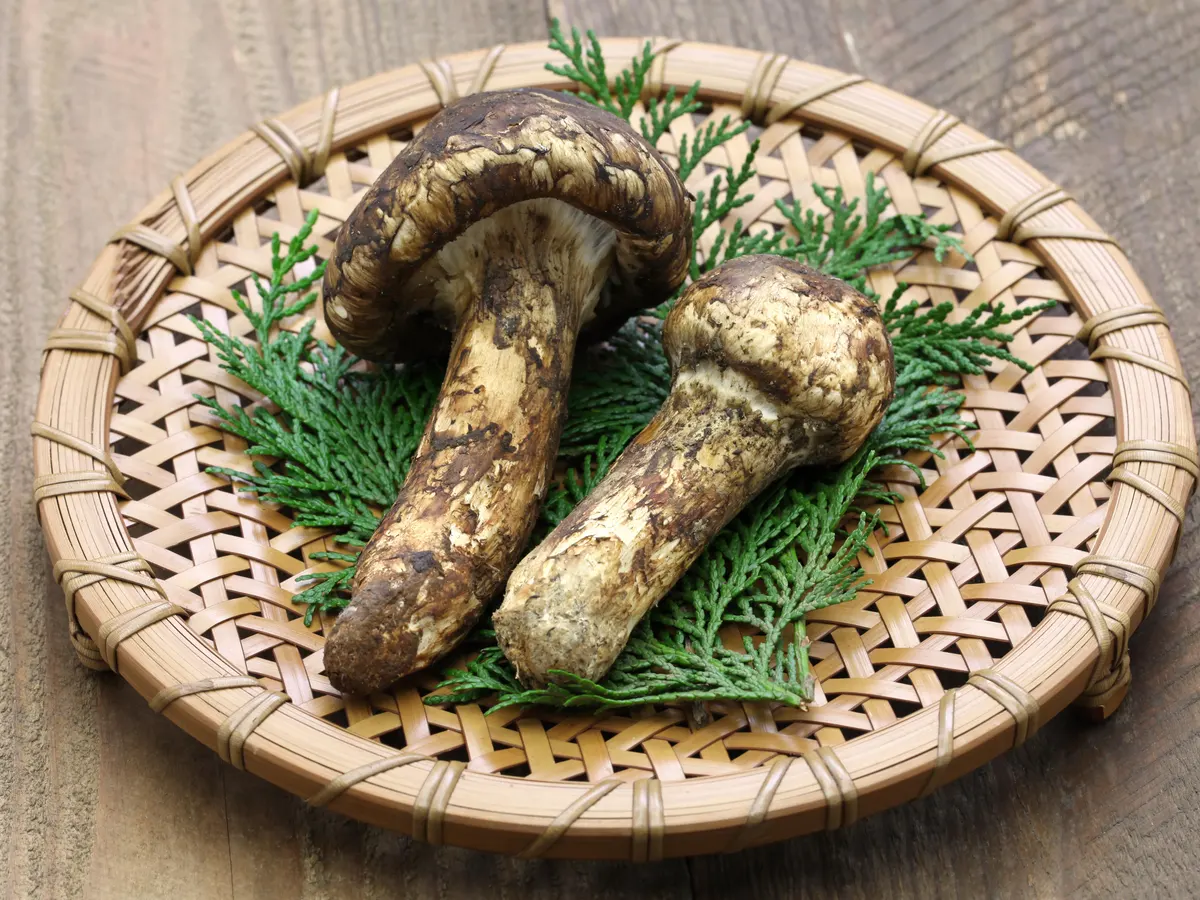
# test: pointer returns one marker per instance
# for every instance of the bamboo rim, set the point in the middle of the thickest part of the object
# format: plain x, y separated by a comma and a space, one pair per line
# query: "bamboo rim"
648, 819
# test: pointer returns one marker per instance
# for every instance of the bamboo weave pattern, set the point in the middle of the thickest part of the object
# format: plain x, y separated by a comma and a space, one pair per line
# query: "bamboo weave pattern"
971, 564
969, 567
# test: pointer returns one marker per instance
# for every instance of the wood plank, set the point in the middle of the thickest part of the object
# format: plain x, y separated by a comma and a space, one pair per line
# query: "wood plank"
808, 30
159, 816
1103, 98
102, 102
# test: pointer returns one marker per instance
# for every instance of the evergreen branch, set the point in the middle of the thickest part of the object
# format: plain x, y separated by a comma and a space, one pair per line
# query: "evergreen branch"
486, 673
724, 195
343, 436
585, 66
661, 113
936, 346
337, 451
845, 243
708, 139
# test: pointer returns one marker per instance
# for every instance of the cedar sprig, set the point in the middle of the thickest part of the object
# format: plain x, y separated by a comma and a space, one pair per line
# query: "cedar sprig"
616, 388
707, 139
725, 194
836, 238
585, 66
941, 349
792, 550
847, 243
662, 112
343, 437
579, 480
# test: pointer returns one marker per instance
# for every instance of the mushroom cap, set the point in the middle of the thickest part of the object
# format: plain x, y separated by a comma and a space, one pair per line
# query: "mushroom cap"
799, 347
477, 156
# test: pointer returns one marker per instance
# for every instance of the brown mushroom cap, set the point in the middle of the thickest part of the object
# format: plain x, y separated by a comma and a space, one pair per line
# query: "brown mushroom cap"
477, 156
797, 345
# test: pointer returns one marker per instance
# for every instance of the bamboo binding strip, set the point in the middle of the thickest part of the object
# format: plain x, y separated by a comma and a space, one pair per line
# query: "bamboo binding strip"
752, 829
304, 165
565, 819
945, 743
58, 436
632, 786
652, 87
237, 728
347, 780
1111, 628
841, 796
920, 156
1019, 703
168, 695
119, 343
649, 822
429, 810
1112, 321
149, 239
75, 574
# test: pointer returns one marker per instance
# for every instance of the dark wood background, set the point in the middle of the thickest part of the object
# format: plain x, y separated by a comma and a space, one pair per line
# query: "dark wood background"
102, 101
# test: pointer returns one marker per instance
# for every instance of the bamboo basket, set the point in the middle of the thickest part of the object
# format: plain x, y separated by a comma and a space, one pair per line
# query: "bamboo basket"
1003, 591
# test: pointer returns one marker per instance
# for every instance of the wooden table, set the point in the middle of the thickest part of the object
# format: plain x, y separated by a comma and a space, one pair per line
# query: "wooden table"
102, 101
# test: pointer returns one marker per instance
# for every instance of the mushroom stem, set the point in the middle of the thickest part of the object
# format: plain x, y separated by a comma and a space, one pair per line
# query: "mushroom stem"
574, 600
774, 365
475, 485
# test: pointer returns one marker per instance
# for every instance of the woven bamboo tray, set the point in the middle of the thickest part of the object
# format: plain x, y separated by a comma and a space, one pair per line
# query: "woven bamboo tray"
1004, 591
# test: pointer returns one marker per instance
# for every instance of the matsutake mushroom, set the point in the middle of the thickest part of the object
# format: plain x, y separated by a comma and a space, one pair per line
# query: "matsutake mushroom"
774, 365
514, 219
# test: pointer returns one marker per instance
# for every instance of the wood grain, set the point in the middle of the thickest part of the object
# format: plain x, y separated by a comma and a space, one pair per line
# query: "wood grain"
1102, 98
101, 101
